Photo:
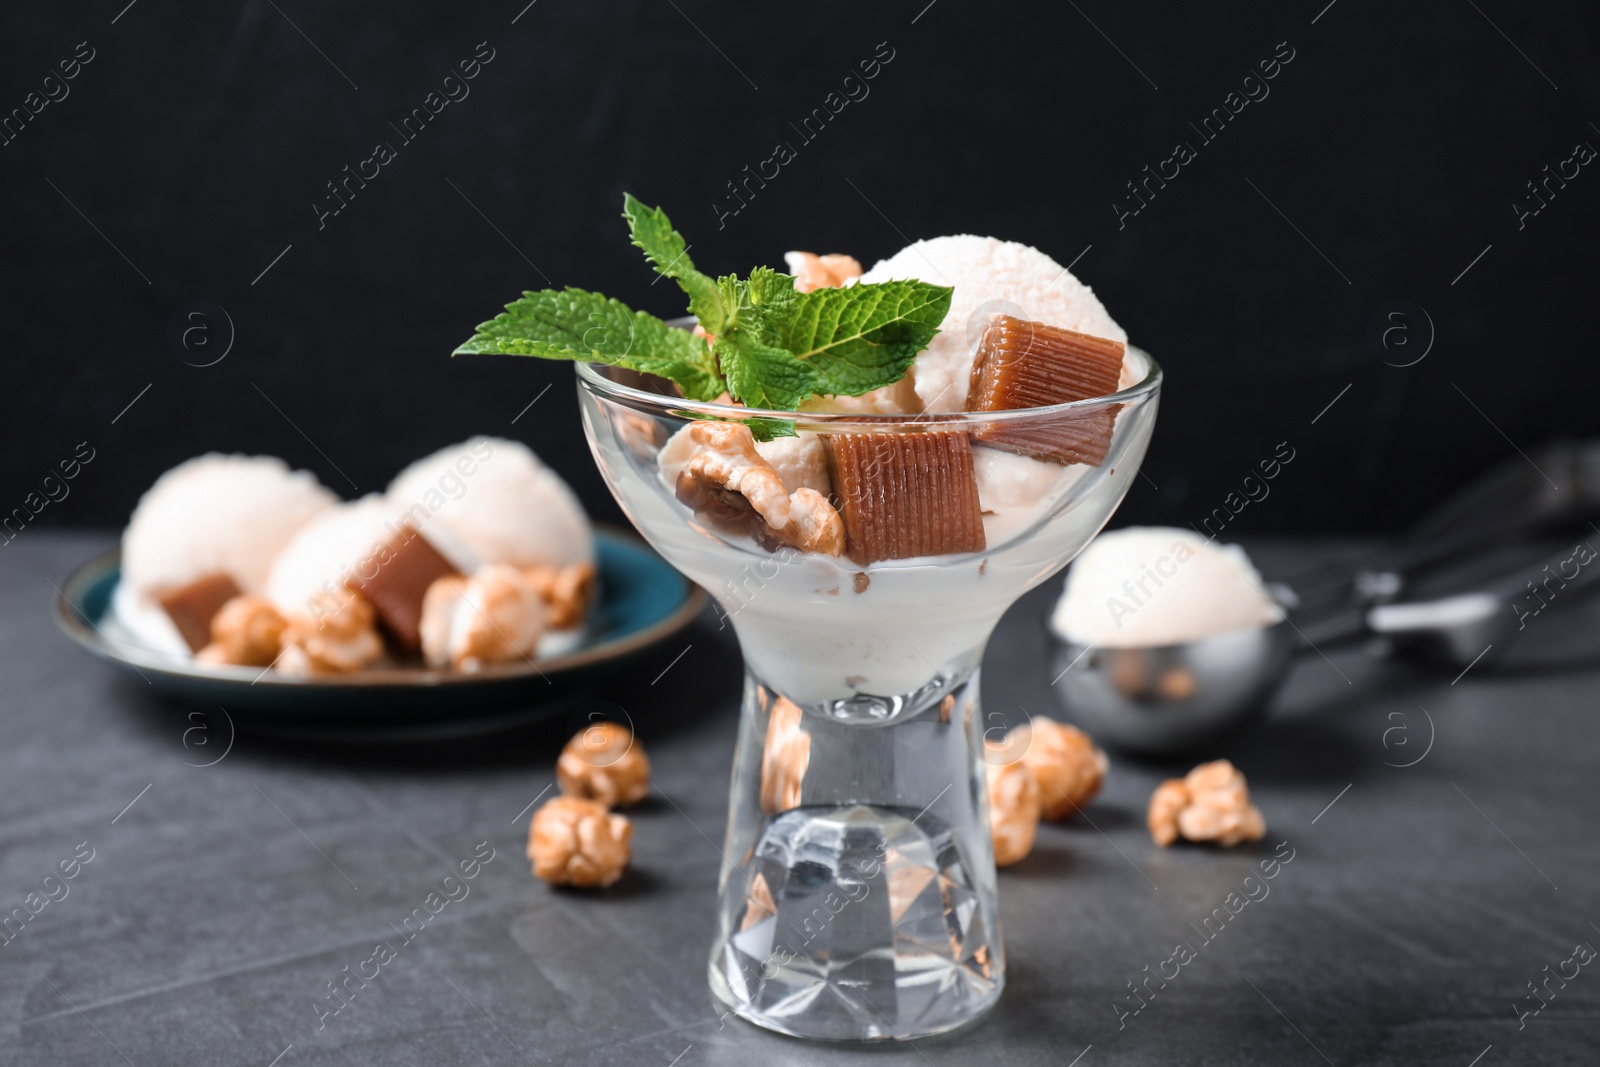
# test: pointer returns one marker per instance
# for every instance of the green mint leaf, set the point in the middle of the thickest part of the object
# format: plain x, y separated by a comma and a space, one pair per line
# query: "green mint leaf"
772, 292
652, 232
767, 429
861, 337
761, 375
760, 372
573, 324
761, 429
774, 348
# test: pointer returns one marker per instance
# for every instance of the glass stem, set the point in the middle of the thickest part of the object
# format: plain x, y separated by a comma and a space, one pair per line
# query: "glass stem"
857, 898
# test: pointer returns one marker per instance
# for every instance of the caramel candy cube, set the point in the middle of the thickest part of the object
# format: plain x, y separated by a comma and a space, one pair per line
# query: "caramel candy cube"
905, 494
1022, 364
192, 607
395, 578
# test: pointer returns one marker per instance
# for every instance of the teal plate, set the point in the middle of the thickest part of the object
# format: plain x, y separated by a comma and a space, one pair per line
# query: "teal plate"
642, 601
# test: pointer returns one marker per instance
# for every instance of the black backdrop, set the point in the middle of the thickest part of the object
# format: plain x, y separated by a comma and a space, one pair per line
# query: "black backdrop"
1381, 164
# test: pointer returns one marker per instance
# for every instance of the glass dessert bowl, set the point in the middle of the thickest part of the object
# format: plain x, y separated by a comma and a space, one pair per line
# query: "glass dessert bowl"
864, 563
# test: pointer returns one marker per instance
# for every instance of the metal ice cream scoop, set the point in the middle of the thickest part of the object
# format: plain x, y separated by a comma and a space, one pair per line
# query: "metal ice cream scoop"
1177, 699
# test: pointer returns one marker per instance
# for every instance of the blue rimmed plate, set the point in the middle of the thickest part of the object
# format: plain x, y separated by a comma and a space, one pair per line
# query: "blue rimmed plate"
642, 601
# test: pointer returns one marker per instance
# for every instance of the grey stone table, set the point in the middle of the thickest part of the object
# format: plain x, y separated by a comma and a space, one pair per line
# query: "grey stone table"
219, 902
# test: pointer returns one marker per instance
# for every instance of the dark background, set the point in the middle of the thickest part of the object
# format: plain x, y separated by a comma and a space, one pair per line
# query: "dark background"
1385, 159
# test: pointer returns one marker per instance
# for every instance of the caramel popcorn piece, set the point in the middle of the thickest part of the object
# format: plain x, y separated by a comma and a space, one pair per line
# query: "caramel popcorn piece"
1166, 803
247, 632
1211, 803
604, 763
785, 757
495, 616
577, 842
1014, 807
192, 607
338, 641
905, 494
567, 592
759, 906
812, 271
728, 482
1065, 762
641, 433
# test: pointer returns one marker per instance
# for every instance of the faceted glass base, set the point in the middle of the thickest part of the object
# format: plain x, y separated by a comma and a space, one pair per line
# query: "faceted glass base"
859, 922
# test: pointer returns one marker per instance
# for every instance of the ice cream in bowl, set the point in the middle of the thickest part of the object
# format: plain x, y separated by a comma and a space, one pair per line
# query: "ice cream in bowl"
865, 471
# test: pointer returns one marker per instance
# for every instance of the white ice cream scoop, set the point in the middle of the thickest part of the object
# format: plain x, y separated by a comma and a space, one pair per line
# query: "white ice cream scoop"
1167, 640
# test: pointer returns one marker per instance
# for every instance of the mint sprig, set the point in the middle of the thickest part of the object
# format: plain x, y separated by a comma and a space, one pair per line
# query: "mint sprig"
651, 232
774, 347
578, 325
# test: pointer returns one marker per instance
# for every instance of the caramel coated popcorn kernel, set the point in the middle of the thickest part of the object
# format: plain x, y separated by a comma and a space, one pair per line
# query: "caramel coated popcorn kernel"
247, 632
1064, 760
336, 642
1210, 803
1014, 807
1169, 799
785, 758
578, 842
567, 592
496, 616
605, 763
728, 482
812, 271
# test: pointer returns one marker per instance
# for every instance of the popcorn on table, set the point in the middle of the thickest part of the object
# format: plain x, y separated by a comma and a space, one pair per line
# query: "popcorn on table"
1211, 803
578, 842
1014, 806
1065, 761
604, 763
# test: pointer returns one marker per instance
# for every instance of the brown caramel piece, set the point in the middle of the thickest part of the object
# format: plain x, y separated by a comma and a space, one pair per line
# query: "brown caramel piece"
1022, 364
905, 494
192, 607
395, 579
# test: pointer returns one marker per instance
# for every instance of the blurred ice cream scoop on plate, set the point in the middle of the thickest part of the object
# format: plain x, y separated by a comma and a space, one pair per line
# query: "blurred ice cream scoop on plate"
498, 499
240, 578
206, 531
